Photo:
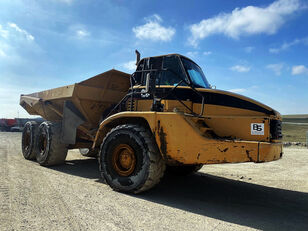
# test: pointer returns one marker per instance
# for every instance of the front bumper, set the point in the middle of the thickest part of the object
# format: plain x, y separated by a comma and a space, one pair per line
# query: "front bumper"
269, 151
181, 143
228, 151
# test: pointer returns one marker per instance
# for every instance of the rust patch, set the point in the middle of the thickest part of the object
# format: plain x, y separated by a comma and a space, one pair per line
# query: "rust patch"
198, 156
224, 150
173, 162
215, 161
162, 139
248, 155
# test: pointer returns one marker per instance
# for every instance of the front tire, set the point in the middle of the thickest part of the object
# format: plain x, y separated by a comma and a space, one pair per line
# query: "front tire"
130, 160
29, 140
51, 150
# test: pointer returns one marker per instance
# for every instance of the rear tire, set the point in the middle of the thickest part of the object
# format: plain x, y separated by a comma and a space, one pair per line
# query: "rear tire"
29, 140
50, 149
130, 160
183, 170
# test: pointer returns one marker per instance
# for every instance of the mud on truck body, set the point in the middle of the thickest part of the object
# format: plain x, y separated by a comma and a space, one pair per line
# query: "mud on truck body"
163, 116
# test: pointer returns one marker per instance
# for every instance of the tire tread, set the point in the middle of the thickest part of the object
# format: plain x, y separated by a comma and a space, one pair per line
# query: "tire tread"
57, 151
157, 165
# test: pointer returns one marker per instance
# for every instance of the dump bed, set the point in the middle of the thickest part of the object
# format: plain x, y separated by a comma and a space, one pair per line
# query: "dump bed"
87, 99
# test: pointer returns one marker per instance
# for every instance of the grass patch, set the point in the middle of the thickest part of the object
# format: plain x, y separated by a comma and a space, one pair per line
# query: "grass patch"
294, 132
295, 118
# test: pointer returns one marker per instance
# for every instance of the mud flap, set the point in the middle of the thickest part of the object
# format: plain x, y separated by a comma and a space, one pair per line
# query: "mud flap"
72, 118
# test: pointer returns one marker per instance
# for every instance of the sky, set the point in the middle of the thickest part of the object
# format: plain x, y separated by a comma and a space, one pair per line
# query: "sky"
257, 48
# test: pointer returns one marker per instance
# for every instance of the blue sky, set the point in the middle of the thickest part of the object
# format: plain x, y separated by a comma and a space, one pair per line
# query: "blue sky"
255, 48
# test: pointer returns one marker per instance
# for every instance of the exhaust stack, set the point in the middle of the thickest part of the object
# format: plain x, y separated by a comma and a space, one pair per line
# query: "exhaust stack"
137, 56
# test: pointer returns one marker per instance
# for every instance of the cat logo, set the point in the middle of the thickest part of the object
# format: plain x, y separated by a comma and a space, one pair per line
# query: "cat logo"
144, 94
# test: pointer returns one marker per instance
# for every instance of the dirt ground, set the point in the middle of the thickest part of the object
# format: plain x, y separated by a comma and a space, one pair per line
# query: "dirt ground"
268, 196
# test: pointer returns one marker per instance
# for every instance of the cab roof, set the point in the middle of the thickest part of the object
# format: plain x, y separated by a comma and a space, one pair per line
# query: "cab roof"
173, 54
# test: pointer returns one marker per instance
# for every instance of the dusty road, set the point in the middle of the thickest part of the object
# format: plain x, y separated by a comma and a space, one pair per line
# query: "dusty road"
270, 196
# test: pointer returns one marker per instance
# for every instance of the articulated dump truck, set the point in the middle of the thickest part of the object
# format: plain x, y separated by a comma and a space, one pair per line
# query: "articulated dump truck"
165, 116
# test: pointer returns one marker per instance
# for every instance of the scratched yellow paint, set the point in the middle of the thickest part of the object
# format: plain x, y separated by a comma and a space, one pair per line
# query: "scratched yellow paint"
180, 142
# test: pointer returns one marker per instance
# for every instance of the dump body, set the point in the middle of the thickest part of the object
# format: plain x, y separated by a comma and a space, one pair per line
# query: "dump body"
89, 99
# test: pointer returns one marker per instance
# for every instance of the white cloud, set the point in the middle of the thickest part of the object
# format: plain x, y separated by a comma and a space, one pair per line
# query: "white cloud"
65, 1
286, 45
192, 54
28, 36
9, 99
276, 68
207, 52
4, 33
238, 90
14, 41
130, 66
153, 30
2, 53
249, 49
78, 31
299, 70
82, 33
245, 21
240, 68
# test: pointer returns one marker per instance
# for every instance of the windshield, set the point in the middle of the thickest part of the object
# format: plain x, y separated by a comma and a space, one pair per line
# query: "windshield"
195, 73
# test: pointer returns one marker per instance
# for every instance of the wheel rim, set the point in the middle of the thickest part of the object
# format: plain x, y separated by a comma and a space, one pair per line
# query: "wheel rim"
123, 160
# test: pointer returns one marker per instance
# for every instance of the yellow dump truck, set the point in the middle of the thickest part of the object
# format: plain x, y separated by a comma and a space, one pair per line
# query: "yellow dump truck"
163, 116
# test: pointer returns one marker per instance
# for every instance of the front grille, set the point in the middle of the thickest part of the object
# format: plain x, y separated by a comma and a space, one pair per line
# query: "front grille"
276, 130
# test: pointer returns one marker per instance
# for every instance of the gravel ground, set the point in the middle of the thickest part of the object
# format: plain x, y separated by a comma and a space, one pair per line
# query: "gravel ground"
267, 196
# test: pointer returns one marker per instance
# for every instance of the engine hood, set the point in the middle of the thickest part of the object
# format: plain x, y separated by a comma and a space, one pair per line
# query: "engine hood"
227, 98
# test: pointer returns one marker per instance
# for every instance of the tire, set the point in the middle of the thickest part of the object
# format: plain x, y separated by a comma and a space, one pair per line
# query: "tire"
144, 166
88, 152
183, 170
50, 149
29, 140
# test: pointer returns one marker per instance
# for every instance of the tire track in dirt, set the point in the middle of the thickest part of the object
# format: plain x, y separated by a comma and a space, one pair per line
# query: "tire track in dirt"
36, 205
71, 196
5, 216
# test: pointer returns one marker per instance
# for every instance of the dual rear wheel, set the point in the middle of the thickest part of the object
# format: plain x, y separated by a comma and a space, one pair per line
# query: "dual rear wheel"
29, 140
43, 143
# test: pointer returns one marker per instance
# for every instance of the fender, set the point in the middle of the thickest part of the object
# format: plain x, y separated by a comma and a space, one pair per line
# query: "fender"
147, 118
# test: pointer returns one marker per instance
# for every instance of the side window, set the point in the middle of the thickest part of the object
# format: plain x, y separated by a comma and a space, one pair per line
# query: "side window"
137, 76
173, 73
151, 64
169, 71
168, 78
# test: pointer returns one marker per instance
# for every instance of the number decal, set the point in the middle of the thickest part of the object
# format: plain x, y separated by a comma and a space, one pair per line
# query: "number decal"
257, 129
